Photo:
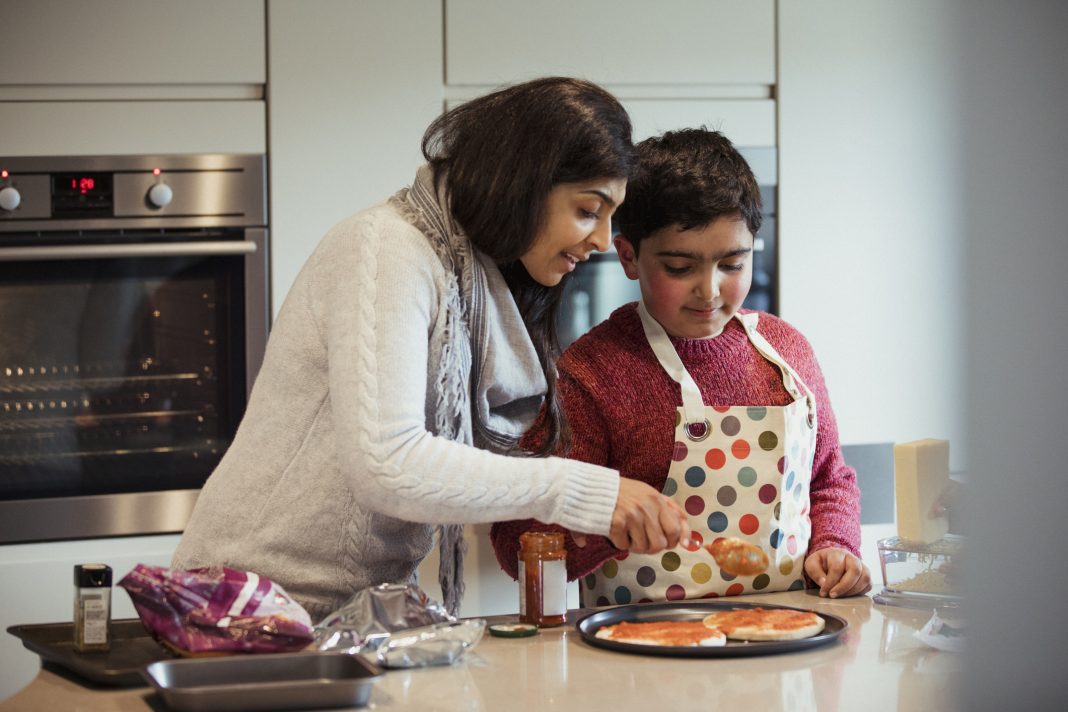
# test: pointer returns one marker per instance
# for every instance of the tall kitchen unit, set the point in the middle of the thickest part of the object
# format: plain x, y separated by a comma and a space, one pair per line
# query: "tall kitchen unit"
117, 78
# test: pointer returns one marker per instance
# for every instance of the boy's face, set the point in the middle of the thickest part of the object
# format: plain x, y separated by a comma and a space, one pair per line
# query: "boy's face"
692, 281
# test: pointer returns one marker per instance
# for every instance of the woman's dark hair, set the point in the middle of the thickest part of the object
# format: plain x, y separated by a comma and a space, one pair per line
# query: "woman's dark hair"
499, 156
687, 178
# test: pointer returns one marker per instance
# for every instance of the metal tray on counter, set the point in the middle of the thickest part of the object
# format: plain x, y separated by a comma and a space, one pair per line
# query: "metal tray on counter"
697, 610
131, 649
279, 681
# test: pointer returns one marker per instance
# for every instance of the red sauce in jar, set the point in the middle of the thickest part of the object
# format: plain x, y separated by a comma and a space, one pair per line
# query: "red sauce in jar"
542, 578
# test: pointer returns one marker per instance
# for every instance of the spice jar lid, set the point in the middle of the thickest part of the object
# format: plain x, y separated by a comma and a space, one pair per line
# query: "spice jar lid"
92, 575
513, 630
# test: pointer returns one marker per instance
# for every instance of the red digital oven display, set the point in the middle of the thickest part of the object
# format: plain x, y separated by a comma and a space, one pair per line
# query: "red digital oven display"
83, 185
81, 194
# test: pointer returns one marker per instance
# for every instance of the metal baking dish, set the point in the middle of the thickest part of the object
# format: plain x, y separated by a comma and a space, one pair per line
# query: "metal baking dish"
283, 681
131, 649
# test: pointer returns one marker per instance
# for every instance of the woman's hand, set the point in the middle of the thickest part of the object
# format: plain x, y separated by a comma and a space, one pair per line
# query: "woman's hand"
646, 521
838, 573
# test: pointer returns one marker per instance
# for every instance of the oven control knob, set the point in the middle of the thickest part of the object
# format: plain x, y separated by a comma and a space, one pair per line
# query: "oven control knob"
9, 198
160, 195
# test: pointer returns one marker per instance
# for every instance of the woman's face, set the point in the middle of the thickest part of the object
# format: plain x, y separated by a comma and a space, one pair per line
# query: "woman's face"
693, 281
578, 220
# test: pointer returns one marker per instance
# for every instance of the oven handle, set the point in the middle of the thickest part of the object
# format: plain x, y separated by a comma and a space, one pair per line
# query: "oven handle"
96, 252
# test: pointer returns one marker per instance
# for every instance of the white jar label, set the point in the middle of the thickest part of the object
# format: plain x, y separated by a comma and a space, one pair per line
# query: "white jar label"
95, 614
522, 589
554, 593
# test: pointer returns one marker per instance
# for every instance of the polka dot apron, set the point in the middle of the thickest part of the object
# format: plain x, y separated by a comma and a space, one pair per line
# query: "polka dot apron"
738, 471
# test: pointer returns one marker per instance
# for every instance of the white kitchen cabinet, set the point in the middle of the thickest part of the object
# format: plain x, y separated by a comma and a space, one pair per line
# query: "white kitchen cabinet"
491, 42
91, 128
110, 42
353, 86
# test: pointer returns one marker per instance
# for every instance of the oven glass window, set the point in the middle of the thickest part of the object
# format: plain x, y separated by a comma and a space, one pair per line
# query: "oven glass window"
118, 375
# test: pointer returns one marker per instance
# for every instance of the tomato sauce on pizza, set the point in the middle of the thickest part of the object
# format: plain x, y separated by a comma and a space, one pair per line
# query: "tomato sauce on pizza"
674, 633
766, 624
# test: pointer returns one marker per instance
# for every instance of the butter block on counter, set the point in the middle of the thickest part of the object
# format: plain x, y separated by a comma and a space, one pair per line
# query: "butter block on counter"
921, 474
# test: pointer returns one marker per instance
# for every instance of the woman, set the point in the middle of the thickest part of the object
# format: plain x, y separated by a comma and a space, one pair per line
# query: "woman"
414, 348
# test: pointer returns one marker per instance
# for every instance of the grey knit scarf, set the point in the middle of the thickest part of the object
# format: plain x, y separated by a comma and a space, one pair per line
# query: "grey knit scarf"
505, 383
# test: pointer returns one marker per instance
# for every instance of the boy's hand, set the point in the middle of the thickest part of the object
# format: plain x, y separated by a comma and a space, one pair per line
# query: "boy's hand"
646, 521
838, 573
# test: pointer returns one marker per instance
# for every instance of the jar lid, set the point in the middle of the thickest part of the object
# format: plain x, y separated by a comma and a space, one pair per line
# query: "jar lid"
513, 630
92, 575
541, 541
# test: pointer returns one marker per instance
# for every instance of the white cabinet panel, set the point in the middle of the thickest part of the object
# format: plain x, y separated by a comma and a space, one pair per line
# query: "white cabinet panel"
57, 128
132, 42
744, 122
353, 87
611, 41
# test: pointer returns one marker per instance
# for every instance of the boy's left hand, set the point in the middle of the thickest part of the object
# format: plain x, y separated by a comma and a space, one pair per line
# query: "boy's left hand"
838, 573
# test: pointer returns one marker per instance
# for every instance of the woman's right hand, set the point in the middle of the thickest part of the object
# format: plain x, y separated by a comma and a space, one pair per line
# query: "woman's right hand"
645, 521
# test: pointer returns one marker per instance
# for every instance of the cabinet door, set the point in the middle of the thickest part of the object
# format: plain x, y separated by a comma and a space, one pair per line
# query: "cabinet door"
47, 42
611, 41
91, 128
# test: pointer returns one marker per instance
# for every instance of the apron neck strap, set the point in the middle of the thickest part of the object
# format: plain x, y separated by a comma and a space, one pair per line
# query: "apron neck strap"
790, 380
693, 404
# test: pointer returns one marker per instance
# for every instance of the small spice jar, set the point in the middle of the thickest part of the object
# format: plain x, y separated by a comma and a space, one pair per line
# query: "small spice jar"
542, 578
92, 607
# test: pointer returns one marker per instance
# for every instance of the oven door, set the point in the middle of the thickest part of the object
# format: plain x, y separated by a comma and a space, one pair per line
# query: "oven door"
124, 367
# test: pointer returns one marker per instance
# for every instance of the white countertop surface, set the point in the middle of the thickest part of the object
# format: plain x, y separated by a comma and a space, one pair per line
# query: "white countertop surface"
877, 664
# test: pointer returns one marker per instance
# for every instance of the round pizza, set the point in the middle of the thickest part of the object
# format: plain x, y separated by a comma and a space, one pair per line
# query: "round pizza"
766, 623
671, 633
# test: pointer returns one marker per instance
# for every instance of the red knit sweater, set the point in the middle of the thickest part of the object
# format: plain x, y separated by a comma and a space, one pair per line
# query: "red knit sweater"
621, 406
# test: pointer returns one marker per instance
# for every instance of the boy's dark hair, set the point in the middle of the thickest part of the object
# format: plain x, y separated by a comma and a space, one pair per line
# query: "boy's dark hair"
499, 156
687, 178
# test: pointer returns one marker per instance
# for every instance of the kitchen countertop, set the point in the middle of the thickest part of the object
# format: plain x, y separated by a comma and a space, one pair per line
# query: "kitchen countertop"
877, 664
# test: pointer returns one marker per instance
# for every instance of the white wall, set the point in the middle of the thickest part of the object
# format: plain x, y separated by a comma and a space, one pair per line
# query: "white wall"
870, 210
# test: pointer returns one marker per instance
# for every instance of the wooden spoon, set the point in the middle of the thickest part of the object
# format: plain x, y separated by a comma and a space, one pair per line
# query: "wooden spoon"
738, 557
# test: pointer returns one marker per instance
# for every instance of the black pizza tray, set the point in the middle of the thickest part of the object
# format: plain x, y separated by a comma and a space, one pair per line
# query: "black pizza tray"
697, 610
131, 649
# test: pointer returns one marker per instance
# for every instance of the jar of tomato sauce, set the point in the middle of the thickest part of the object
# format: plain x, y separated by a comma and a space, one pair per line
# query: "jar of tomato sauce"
542, 578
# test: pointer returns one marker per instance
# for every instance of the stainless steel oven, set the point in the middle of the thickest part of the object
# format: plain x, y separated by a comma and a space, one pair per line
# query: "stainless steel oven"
133, 318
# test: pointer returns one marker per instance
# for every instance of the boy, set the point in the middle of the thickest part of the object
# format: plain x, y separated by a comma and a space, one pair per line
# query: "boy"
761, 462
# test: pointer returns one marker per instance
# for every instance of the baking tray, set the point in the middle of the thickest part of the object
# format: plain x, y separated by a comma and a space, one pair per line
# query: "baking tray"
131, 649
281, 681
697, 610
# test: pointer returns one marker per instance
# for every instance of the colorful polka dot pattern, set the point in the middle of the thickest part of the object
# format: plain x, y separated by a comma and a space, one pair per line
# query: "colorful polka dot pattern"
748, 479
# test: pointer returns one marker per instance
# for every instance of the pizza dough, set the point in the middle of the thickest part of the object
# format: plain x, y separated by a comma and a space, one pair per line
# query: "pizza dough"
673, 633
766, 623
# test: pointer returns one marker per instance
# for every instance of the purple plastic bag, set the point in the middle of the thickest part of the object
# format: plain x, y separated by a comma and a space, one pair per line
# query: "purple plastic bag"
217, 610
